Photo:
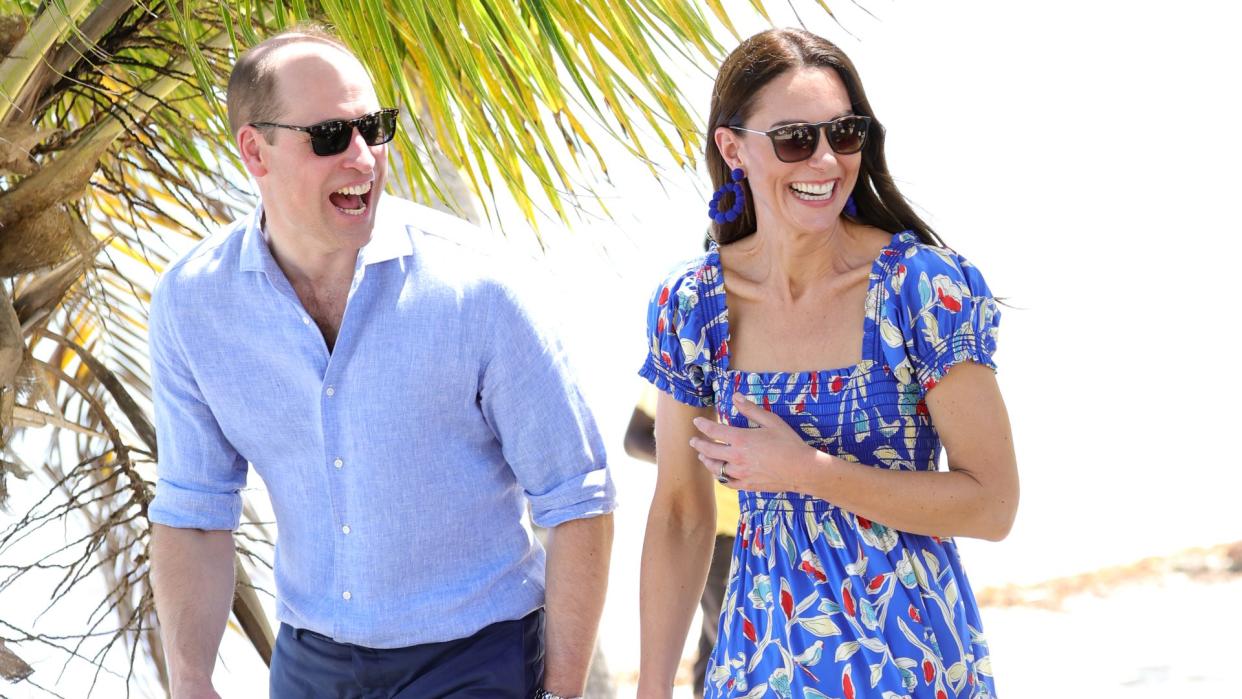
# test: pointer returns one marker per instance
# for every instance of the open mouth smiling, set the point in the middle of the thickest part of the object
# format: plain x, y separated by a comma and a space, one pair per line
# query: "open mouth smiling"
352, 200
810, 191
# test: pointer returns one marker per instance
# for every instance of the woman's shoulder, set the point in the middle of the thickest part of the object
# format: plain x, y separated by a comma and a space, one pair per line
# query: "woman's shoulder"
915, 273
937, 310
679, 330
689, 281
908, 253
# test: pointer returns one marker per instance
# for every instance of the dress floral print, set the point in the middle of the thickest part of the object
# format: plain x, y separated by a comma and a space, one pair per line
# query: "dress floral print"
821, 602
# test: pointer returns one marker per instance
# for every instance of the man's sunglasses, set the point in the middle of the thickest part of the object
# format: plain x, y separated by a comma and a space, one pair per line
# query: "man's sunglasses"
797, 142
333, 136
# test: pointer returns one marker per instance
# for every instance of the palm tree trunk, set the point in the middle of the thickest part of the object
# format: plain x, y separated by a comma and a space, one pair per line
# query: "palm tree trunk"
33, 222
12, 348
26, 57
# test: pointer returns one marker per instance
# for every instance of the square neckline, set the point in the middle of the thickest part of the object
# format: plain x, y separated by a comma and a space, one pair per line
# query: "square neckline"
874, 279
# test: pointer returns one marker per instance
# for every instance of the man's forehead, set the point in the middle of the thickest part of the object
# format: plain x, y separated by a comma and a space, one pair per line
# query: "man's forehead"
315, 76
310, 48
314, 61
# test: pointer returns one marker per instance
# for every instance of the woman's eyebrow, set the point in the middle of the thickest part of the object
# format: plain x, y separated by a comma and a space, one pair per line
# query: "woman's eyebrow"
787, 122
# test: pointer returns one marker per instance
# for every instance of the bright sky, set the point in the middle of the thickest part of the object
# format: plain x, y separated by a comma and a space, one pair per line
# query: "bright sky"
1081, 155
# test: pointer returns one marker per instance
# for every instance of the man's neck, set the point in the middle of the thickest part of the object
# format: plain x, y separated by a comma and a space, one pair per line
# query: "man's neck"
308, 262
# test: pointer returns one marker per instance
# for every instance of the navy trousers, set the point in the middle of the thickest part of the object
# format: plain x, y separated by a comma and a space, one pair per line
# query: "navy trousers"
501, 661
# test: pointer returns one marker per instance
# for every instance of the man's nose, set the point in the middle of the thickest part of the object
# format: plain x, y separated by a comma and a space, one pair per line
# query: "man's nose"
359, 155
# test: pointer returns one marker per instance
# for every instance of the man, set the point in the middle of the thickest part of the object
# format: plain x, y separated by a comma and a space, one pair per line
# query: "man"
399, 404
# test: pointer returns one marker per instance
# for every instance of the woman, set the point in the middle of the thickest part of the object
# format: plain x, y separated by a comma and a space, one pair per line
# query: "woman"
845, 581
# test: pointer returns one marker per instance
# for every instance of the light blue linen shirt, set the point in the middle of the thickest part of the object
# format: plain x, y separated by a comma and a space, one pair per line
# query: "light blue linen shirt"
400, 464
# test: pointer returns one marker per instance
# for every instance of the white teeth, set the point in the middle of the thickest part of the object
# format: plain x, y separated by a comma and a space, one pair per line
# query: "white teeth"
356, 189
817, 191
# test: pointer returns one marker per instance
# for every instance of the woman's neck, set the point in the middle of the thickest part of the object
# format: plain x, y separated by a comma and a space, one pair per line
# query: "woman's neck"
789, 264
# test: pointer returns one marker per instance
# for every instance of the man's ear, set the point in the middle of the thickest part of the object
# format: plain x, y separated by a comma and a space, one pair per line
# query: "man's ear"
730, 145
250, 143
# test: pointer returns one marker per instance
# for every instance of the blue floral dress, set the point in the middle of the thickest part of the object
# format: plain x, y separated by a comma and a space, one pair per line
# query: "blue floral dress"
821, 602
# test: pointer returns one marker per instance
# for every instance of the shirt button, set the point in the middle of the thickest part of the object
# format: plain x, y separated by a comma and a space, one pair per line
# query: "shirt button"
338, 463
345, 529
345, 595
331, 391
305, 320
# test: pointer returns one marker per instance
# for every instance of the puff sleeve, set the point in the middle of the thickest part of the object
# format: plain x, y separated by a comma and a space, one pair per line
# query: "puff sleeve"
678, 356
939, 312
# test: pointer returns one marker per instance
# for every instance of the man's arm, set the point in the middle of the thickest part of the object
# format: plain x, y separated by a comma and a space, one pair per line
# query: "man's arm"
192, 576
531, 400
577, 578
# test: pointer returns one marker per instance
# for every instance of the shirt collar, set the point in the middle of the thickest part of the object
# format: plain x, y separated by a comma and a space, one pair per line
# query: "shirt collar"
390, 240
255, 255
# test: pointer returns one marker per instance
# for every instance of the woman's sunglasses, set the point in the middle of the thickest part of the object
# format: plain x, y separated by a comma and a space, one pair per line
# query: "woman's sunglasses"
333, 136
797, 142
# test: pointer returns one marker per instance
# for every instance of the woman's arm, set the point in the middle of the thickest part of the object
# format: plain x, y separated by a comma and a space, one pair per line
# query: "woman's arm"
677, 548
977, 496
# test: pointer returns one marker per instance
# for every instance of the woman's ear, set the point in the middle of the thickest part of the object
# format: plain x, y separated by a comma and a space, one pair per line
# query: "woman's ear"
729, 144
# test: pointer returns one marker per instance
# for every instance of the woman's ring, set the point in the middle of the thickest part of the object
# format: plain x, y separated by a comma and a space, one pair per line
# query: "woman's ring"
721, 477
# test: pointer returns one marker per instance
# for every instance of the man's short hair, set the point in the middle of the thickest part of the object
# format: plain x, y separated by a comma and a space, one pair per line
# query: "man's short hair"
252, 94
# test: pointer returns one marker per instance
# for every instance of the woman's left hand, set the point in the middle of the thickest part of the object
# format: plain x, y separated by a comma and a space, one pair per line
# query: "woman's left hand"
768, 457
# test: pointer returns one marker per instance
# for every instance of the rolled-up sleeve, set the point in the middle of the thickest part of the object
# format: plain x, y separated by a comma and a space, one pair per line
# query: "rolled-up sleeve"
200, 474
547, 432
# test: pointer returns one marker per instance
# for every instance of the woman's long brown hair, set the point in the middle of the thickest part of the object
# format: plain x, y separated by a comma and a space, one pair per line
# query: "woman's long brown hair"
758, 61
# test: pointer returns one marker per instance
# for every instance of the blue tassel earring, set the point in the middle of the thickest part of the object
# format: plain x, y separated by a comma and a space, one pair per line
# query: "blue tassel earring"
739, 199
851, 209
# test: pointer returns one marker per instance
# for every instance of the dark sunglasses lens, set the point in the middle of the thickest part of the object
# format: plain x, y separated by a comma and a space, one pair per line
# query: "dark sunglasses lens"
330, 137
378, 128
795, 143
846, 136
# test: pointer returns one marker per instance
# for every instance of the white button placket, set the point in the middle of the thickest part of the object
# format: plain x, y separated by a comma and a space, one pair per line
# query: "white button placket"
331, 414
337, 462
